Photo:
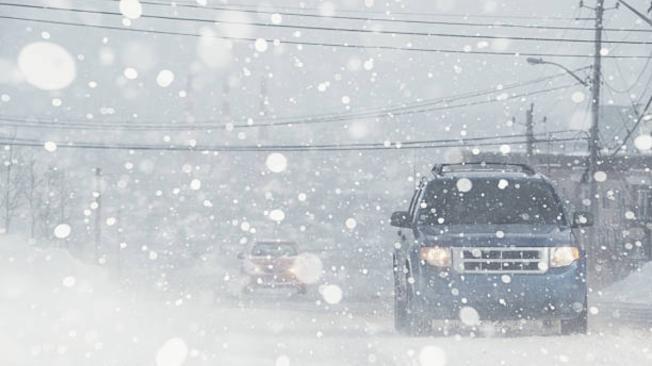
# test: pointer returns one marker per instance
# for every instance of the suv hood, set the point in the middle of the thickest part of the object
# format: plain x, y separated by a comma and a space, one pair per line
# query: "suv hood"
496, 235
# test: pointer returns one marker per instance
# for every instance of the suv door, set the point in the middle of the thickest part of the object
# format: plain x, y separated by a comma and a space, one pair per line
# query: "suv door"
400, 262
406, 236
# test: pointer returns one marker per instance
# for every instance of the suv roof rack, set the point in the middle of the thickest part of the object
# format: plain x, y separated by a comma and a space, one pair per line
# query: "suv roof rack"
440, 169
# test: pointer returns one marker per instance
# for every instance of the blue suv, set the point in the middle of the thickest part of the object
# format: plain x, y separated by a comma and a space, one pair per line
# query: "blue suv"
488, 241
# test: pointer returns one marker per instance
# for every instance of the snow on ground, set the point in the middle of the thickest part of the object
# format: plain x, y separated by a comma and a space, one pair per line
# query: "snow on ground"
57, 311
635, 288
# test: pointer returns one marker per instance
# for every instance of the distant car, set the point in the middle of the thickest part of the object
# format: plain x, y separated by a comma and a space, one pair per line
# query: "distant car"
269, 264
488, 242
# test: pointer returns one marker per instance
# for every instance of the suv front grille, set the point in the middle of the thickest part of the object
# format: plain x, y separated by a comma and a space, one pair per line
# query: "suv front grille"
500, 260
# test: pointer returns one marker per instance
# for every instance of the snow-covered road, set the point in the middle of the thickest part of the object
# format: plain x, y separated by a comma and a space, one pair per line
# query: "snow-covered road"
259, 336
283, 333
56, 311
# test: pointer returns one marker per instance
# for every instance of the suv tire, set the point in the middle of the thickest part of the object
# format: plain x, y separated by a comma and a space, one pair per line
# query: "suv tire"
400, 298
577, 325
418, 324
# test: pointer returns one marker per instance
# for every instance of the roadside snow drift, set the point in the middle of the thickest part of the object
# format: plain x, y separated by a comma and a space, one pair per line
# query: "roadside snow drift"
636, 288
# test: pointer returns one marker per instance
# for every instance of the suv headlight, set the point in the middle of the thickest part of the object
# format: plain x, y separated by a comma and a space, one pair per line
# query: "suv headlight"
563, 256
436, 256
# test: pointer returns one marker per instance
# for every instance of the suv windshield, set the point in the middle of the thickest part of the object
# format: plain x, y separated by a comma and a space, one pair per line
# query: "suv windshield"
489, 202
273, 249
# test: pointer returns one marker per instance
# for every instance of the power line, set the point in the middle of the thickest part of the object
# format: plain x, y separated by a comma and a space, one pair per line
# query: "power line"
403, 106
469, 104
320, 44
25, 122
240, 9
634, 83
620, 72
631, 131
362, 113
433, 101
396, 144
330, 29
633, 104
371, 11
638, 13
621, 117
261, 148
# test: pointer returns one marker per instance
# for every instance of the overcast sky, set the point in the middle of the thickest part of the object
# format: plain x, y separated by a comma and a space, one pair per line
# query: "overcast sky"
209, 73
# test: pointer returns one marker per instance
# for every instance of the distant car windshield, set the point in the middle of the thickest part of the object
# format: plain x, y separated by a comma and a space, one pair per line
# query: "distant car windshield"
273, 249
490, 202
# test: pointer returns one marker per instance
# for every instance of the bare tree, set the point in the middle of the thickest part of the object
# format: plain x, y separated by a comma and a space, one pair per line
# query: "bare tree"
34, 196
51, 198
12, 187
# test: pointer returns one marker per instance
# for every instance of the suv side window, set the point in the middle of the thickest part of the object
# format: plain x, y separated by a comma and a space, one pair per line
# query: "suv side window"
414, 203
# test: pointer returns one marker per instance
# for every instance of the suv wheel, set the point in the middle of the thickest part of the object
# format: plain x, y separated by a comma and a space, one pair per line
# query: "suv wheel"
578, 325
417, 322
400, 299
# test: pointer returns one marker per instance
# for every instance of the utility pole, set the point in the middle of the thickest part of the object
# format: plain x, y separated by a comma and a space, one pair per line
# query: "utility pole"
529, 130
8, 196
190, 103
121, 239
98, 213
62, 195
594, 133
226, 103
262, 106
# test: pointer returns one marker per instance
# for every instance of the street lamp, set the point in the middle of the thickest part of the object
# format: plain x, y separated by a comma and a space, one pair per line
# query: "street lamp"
594, 137
540, 61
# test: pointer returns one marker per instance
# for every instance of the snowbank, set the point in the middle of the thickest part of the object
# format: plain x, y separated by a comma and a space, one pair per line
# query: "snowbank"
636, 288
56, 310
27, 273
49, 301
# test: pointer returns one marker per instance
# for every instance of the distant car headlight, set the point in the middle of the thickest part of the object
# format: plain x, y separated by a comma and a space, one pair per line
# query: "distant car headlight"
563, 256
436, 256
251, 268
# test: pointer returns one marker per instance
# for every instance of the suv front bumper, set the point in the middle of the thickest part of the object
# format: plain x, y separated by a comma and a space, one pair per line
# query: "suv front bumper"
560, 293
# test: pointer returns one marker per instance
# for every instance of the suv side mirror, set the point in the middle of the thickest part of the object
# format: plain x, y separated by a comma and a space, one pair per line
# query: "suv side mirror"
401, 219
582, 219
